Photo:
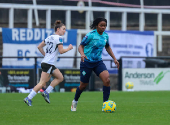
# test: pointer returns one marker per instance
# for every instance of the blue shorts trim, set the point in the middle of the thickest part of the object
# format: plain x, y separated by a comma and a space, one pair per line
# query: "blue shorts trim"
86, 69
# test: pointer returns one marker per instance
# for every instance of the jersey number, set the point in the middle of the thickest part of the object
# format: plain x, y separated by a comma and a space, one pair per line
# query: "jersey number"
49, 47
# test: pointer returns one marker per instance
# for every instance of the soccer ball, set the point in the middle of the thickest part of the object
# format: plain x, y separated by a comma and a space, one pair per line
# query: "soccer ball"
129, 85
109, 106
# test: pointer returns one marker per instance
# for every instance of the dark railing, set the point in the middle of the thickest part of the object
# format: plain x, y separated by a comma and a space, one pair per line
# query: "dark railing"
35, 67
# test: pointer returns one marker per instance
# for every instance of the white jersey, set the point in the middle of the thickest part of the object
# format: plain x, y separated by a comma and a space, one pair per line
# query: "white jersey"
51, 53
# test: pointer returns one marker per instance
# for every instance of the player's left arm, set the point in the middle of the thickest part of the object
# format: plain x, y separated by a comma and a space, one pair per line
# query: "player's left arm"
110, 52
61, 50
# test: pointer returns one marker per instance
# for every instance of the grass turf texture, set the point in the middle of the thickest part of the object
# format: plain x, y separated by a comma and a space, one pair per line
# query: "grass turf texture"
133, 108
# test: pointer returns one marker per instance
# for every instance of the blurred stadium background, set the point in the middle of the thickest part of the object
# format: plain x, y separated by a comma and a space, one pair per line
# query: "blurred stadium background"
140, 28
139, 32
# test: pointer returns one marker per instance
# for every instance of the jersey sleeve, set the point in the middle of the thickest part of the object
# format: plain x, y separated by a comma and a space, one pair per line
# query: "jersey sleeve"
86, 39
59, 40
107, 42
46, 40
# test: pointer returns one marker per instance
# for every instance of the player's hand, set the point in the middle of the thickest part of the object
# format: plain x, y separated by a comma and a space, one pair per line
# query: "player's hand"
70, 46
82, 57
116, 63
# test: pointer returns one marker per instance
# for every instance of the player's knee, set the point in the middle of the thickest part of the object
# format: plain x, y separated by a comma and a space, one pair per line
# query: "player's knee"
61, 78
107, 82
82, 86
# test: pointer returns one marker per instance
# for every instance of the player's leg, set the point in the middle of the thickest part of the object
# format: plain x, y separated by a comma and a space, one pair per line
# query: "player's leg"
80, 90
106, 84
58, 77
43, 89
102, 72
77, 95
44, 78
85, 73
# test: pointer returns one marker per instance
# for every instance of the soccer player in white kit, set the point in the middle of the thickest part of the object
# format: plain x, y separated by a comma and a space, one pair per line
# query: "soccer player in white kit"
54, 45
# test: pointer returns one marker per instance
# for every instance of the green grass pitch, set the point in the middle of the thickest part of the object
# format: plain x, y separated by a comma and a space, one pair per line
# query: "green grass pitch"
133, 108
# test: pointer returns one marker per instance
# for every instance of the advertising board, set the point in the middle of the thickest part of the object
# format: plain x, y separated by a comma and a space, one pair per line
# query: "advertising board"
17, 78
146, 79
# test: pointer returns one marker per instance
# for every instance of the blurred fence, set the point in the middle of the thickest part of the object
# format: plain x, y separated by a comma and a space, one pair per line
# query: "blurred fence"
88, 11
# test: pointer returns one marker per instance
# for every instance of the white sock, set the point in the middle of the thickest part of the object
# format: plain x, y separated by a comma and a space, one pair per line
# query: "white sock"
49, 89
32, 94
75, 101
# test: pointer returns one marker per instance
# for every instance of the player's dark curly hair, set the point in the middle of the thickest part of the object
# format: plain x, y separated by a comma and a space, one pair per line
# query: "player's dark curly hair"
97, 21
58, 24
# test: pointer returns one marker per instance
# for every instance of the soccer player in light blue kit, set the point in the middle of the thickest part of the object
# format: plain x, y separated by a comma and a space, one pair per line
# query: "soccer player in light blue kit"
91, 49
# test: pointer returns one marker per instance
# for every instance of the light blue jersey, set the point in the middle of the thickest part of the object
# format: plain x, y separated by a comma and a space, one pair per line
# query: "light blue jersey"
93, 44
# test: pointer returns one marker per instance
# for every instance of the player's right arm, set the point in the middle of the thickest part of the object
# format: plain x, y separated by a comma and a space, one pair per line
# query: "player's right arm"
40, 47
81, 51
83, 43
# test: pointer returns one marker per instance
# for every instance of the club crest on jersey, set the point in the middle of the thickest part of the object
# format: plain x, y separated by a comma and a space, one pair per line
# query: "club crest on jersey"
60, 39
